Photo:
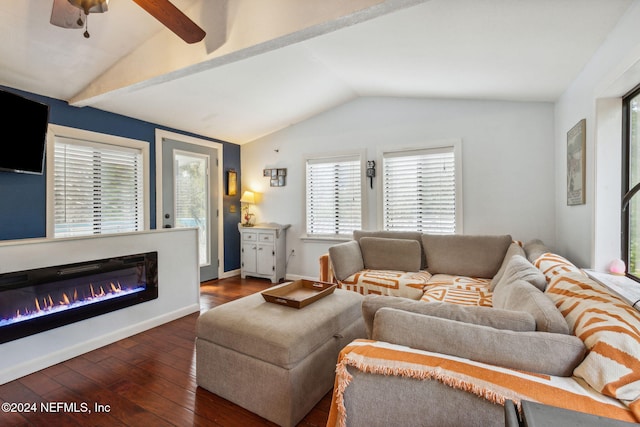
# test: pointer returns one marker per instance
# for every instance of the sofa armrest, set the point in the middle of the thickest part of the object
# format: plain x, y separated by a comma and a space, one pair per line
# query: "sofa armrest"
346, 259
326, 269
538, 352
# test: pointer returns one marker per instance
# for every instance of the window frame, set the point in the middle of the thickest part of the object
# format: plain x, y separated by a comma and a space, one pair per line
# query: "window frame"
95, 138
626, 170
328, 158
455, 144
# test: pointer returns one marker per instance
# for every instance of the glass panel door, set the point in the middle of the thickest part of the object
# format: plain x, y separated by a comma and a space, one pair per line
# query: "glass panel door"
191, 186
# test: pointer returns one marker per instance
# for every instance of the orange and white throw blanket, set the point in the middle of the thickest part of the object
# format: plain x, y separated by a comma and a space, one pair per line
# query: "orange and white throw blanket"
387, 282
492, 383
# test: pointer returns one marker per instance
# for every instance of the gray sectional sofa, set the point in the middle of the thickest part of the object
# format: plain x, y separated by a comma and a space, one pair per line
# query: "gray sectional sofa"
457, 325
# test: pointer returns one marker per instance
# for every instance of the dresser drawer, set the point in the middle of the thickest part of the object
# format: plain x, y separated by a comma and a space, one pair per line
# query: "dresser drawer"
266, 237
250, 236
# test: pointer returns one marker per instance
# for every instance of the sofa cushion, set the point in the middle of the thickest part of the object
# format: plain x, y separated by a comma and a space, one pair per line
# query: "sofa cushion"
519, 268
523, 296
553, 265
461, 290
346, 259
610, 329
534, 249
387, 282
487, 316
390, 254
514, 249
474, 256
409, 235
539, 352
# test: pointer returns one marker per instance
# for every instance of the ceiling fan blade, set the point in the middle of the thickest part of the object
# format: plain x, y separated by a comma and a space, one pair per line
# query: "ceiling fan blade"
64, 15
172, 18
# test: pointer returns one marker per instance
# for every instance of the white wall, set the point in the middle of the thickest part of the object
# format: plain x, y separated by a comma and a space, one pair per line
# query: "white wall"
178, 293
507, 160
589, 235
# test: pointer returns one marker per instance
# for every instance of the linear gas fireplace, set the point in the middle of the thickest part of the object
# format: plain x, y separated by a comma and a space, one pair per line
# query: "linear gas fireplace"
34, 301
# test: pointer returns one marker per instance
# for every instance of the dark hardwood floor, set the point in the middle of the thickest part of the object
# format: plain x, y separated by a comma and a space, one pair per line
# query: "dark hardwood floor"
144, 380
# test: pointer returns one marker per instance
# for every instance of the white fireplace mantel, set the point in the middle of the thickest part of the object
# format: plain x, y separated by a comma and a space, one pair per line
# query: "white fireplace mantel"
178, 293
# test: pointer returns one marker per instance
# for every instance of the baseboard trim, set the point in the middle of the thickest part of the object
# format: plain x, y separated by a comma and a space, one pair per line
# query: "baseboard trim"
230, 273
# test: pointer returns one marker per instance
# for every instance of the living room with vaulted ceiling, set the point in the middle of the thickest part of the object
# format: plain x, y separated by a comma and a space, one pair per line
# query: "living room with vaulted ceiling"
340, 87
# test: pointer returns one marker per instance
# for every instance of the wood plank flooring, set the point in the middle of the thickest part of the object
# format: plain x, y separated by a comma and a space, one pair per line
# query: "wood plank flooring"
144, 380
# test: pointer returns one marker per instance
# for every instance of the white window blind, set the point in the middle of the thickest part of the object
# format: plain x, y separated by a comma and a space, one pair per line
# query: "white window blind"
419, 191
98, 188
334, 196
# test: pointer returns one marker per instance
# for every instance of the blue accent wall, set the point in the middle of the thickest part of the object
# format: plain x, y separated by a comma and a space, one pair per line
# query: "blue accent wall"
23, 196
231, 219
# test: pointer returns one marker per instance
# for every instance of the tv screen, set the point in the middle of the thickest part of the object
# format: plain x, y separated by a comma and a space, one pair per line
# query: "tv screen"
23, 127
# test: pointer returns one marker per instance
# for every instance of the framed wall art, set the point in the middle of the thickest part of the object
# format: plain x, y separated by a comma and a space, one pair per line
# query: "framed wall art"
277, 177
576, 164
232, 183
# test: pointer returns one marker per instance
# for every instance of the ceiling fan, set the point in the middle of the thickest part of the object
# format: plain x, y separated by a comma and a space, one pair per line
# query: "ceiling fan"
74, 14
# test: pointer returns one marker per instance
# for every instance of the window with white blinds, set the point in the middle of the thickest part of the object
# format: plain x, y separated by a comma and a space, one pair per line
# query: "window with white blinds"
98, 188
419, 190
334, 196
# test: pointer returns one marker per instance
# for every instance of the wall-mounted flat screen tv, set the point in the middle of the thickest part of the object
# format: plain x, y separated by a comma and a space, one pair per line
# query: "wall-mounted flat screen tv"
23, 126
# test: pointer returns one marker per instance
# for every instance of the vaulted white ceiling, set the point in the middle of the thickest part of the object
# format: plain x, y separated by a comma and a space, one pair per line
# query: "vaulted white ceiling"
264, 66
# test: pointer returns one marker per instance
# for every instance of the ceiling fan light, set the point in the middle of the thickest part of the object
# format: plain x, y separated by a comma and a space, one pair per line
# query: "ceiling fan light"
91, 6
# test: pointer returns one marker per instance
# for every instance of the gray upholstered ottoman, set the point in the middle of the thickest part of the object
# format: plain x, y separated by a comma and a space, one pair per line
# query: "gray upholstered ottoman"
273, 360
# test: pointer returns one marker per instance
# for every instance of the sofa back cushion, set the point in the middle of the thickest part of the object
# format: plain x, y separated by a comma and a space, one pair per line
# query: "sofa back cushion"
534, 248
514, 249
553, 265
346, 259
462, 255
487, 316
523, 296
390, 254
408, 235
609, 328
519, 268
539, 352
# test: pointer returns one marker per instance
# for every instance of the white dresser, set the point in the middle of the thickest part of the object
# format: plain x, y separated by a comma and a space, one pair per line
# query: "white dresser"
264, 251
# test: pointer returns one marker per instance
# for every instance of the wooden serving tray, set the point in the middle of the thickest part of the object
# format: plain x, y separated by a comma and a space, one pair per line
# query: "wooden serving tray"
299, 293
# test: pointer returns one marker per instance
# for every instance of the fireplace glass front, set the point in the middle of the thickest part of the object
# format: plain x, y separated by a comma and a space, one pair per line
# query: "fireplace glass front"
37, 300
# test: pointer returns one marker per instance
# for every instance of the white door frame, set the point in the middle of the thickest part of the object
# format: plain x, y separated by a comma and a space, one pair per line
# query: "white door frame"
161, 135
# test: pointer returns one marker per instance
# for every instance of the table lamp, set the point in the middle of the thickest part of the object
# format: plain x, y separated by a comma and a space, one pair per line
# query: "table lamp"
248, 198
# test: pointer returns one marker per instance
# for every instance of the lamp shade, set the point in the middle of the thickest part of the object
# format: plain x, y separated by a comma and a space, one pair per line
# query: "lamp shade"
248, 197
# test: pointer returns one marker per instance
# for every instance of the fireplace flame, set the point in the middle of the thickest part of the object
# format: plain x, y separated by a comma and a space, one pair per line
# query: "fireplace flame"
47, 302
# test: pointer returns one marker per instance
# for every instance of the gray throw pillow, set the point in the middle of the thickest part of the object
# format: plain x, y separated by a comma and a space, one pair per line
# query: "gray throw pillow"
390, 254
487, 316
519, 268
514, 249
523, 296
346, 259
462, 255
539, 352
